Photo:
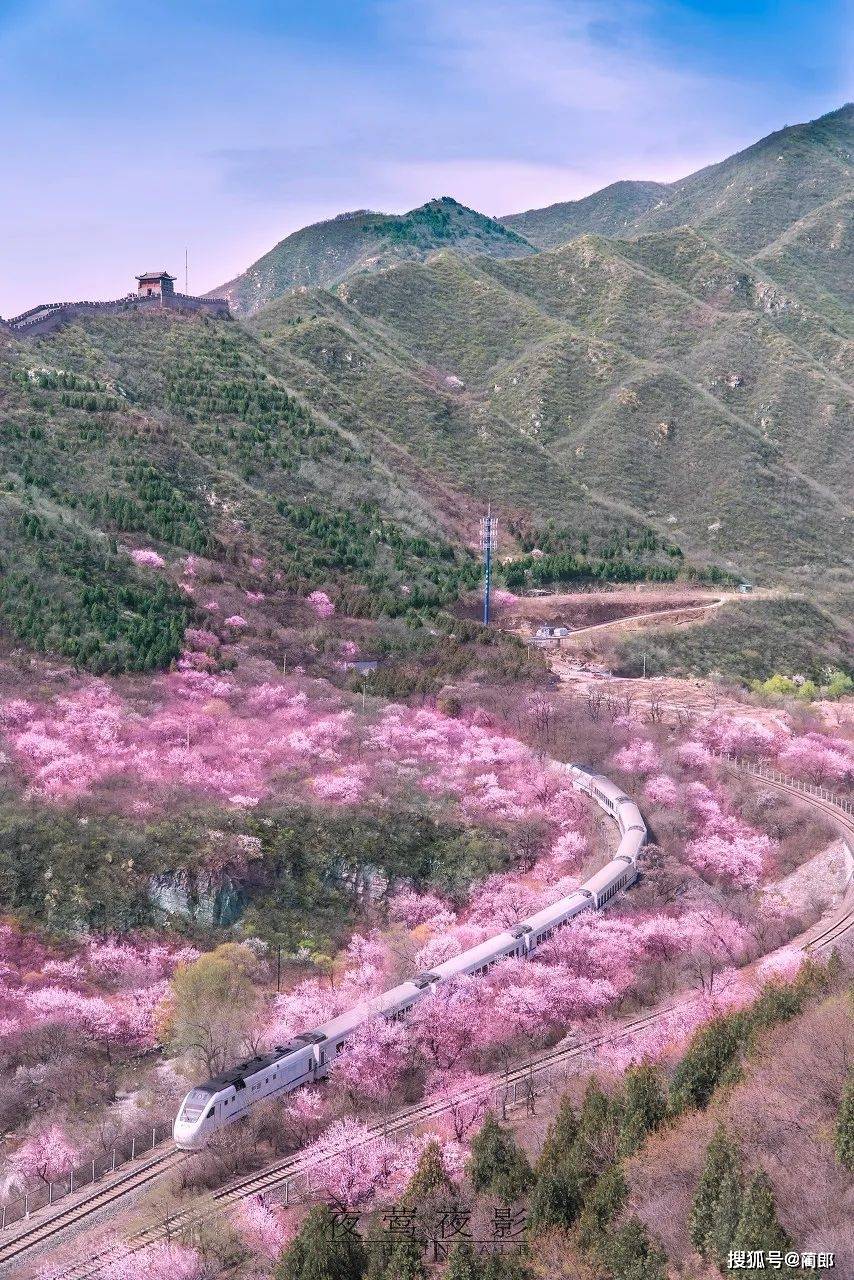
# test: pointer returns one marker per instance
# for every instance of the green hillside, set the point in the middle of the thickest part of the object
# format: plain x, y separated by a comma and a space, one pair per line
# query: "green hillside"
191, 435
783, 202
671, 400
612, 211
328, 252
746, 201
182, 435
658, 377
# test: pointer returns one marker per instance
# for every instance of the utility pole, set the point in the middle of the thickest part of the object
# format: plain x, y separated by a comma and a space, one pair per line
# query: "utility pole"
186, 271
644, 664
488, 542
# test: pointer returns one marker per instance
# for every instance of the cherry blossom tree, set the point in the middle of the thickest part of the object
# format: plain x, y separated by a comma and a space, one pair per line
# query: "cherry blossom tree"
145, 556
446, 1024
467, 1097
304, 1114
263, 1227
45, 1156
818, 758
662, 790
638, 756
321, 604
167, 1261
373, 1060
349, 1164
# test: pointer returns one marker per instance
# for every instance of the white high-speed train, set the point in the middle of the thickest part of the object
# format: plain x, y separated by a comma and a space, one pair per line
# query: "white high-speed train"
306, 1058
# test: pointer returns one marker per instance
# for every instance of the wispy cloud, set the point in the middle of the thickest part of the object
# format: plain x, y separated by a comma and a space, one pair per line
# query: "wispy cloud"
142, 127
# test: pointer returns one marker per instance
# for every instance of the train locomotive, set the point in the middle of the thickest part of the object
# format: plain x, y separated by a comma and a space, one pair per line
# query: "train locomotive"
307, 1057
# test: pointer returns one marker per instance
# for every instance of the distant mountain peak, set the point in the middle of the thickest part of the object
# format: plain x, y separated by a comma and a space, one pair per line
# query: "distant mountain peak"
327, 253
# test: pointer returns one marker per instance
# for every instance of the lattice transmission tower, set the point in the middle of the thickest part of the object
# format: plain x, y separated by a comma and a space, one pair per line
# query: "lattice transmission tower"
488, 543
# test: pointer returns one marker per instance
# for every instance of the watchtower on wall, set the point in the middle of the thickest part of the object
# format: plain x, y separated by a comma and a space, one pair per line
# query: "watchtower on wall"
156, 284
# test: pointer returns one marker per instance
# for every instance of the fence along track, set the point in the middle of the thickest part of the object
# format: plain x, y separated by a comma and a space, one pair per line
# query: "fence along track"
293, 1172
536, 1077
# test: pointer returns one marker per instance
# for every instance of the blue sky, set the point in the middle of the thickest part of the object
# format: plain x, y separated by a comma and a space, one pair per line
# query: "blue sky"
134, 128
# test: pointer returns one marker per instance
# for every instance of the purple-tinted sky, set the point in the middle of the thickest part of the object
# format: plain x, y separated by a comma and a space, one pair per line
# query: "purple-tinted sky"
134, 128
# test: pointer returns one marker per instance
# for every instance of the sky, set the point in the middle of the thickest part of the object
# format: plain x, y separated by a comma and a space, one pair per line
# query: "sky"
136, 129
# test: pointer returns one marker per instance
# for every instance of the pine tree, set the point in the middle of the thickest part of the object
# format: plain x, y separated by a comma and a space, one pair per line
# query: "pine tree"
503, 1266
601, 1206
844, 1137
759, 1230
405, 1262
430, 1178
631, 1254
497, 1164
712, 1059
463, 1263
562, 1133
644, 1108
430, 1192
717, 1203
596, 1144
556, 1198
322, 1251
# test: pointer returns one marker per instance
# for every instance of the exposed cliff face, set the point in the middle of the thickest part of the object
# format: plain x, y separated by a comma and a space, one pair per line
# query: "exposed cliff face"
209, 900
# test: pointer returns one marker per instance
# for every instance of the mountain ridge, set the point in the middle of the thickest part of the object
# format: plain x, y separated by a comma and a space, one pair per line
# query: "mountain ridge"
327, 252
693, 201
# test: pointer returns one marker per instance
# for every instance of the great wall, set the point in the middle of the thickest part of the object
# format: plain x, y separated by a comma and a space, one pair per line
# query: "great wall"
154, 294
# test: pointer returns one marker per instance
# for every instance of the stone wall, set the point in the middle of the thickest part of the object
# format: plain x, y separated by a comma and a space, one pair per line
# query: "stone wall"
49, 316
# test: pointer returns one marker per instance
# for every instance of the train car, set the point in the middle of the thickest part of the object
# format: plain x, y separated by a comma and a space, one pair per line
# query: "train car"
480, 958
309, 1056
229, 1096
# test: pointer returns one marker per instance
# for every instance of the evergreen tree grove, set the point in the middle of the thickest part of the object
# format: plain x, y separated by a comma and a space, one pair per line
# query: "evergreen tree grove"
561, 1135
644, 1107
463, 1263
844, 1135
601, 1206
716, 1207
759, 1230
556, 1198
712, 1059
497, 1164
631, 1254
322, 1251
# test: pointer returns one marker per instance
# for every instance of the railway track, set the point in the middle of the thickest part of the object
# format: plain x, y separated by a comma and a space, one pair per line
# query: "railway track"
225, 1198
291, 1167
34, 1233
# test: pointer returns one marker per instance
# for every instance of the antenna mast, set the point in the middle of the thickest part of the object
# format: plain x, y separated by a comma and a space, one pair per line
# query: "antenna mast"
488, 542
186, 272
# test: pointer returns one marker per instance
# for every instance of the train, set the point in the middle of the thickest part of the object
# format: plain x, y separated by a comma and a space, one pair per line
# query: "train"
306, 1058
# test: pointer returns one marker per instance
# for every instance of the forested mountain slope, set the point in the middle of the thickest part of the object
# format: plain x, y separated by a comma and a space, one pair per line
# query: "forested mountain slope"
180, 434
128, 437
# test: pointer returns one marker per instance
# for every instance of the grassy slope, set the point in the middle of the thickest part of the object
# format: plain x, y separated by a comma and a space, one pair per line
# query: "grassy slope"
783, 202
328, 252
366, 378
601, 365
748, 640
745, 202
612, 211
